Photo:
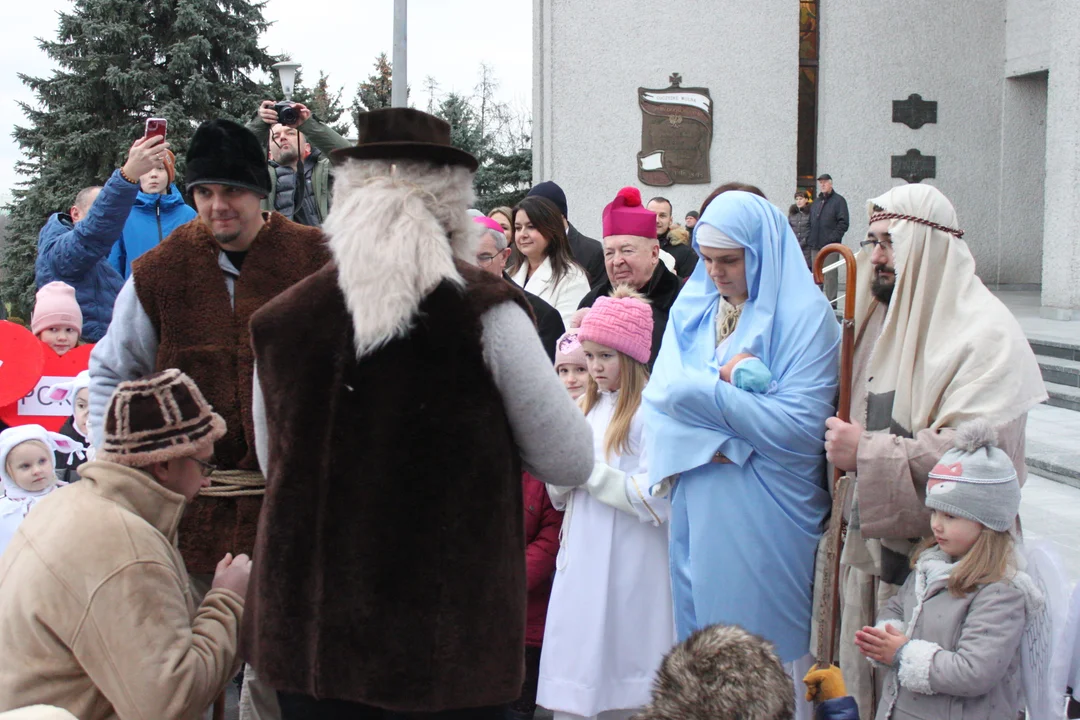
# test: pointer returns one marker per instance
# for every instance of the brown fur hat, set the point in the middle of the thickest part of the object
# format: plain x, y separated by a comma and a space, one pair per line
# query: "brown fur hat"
158, 418
721, 672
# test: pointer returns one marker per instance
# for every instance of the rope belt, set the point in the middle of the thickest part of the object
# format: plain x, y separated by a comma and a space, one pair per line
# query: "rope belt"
235, 483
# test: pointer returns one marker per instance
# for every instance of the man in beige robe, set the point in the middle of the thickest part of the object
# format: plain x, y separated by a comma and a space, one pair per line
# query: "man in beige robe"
933, 348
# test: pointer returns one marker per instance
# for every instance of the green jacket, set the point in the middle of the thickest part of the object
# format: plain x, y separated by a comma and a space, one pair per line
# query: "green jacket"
320, 136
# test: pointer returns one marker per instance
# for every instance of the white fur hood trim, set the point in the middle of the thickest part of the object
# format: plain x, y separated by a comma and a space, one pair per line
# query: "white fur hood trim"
394, 232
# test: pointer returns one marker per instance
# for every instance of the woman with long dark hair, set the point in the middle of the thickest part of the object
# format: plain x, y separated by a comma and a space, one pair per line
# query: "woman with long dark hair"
540, 261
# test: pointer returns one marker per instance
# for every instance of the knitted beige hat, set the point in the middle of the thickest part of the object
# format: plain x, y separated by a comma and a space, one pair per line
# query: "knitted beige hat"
158, 418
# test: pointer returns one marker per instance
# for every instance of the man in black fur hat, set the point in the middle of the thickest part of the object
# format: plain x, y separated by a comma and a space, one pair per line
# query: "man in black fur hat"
187, 305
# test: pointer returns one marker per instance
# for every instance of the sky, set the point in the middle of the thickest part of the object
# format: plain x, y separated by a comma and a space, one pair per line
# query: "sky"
446, 40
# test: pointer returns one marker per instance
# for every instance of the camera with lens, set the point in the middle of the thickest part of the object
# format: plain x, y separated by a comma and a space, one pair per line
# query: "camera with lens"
286, 113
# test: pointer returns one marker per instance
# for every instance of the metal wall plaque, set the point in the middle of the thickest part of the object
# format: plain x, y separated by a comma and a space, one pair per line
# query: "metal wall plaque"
676, 134
914, 112
913, 166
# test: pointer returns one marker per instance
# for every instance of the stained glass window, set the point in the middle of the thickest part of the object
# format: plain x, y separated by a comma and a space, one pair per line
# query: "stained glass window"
806, 160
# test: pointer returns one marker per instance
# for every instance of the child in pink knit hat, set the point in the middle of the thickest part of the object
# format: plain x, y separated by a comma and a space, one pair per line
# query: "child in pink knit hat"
600, 651
57, 318
570, 364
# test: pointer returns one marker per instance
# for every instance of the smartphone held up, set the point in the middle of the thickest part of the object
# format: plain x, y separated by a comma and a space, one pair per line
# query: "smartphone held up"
156, 126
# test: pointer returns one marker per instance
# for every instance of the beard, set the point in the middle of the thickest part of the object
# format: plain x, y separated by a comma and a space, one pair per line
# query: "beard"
287, 157
883, 284
226, 238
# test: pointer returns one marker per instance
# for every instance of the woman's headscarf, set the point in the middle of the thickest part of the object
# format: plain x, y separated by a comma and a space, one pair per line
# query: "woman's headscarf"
786, 322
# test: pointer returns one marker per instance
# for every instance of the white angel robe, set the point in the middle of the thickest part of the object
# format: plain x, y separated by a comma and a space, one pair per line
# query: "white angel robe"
610, 620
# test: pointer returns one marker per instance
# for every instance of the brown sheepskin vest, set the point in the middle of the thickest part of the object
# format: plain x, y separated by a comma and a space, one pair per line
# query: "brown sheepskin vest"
183, 290
389, 567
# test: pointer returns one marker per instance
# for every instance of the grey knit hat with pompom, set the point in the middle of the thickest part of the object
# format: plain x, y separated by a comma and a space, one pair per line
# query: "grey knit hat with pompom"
976, 479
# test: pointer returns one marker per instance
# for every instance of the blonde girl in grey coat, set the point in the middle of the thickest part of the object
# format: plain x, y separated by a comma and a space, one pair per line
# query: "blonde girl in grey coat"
951, 639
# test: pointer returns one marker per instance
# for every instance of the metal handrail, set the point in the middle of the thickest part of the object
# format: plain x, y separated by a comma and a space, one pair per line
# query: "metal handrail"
835, 267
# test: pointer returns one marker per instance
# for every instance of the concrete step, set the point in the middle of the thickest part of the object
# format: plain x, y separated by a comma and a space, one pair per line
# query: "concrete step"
1058, 370
1054, 348
1063, 396
1053, 442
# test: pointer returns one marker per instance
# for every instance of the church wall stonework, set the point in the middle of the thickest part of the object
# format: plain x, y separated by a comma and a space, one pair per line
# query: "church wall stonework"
1027, 42
1005, 75
873, 53
590, 58
1061, 246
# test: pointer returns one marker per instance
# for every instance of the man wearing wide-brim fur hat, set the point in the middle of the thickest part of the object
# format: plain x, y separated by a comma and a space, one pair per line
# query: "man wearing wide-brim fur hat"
401, 391
94, 599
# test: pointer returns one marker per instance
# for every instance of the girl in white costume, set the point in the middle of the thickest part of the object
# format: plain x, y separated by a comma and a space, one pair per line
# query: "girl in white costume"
610, 620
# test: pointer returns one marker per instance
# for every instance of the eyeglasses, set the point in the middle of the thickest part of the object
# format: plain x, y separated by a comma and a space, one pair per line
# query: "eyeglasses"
883, 244
484, 260
205, 468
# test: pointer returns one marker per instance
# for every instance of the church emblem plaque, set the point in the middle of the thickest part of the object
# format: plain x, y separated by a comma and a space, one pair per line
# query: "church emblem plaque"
913, 166
676, 134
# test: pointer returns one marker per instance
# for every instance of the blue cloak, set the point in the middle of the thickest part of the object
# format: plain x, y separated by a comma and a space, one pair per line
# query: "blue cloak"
743, 535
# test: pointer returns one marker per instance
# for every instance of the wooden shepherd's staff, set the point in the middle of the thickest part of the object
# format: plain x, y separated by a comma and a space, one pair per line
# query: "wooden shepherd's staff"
829, 622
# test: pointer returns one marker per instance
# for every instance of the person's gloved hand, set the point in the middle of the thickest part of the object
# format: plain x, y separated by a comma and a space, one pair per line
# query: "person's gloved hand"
750, 374
822, 685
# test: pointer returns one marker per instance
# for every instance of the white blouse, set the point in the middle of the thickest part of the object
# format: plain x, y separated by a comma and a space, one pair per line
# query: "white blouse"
564, 296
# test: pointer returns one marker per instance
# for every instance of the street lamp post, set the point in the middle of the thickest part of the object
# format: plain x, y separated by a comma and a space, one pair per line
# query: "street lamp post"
287, 75
399, 93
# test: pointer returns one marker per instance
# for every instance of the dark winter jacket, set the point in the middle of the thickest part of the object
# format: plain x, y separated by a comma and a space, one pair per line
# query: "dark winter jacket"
588, 253
65, 468
685, 257
661, 290
542, 524
841, 708
800, 222
549, 324
151, 220
78, 254
828, 220
323, 138
285, 193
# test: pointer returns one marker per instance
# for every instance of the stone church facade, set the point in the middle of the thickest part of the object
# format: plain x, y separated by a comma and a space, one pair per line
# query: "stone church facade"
981, 99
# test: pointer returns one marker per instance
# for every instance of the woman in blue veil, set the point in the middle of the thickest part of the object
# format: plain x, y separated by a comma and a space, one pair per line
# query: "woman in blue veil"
746, 469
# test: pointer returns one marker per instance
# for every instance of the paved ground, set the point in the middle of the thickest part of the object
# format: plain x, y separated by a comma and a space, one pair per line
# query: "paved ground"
1024, 304
1051, 511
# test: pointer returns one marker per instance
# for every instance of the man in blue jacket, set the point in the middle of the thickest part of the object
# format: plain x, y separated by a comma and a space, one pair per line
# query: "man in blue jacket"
158, 210
74, 247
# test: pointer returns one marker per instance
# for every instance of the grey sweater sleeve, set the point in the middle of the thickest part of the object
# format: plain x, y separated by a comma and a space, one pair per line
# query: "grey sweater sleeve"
128, 351
551, 433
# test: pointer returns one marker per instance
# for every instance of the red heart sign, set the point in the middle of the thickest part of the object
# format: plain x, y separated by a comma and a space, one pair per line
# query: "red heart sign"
21, 361
34, 406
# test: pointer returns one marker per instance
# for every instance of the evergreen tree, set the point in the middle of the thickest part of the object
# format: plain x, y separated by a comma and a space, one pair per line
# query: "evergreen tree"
374, 93
497, 137
121, 62
323, 102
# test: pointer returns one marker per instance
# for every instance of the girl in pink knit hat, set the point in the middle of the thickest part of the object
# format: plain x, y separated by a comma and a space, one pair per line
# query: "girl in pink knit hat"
57, 318
571, 365
610, 619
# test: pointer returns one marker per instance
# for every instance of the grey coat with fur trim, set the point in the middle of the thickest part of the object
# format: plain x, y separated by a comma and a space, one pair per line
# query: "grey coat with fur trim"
963, 658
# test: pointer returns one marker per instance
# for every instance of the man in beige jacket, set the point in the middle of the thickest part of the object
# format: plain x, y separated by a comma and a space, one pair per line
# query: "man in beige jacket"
96, 616
933, 348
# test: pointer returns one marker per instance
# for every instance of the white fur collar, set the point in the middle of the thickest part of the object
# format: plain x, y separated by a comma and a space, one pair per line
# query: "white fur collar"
394, 232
